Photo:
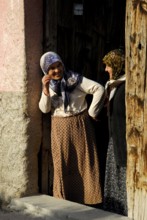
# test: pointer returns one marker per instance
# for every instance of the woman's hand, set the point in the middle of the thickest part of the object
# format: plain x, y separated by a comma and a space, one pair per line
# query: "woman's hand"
45, 81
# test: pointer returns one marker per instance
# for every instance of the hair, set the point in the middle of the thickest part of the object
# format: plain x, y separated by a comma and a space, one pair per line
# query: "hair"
116, 60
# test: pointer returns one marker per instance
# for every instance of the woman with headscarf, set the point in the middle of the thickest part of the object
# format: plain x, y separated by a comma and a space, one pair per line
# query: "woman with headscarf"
115, 196
73, 144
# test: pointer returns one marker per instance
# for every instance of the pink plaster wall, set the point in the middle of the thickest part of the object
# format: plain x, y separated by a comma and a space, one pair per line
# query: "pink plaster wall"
12, 45
20, 88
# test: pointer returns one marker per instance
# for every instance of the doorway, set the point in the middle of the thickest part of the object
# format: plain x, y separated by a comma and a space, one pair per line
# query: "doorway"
81, 32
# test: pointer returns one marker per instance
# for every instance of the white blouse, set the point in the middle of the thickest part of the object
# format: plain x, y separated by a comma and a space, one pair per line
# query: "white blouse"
54, 103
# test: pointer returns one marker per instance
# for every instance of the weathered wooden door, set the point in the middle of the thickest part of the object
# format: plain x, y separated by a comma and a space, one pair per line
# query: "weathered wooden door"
136, 101
82, 31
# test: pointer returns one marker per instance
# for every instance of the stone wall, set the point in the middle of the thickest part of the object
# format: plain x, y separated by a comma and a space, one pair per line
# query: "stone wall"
20, 88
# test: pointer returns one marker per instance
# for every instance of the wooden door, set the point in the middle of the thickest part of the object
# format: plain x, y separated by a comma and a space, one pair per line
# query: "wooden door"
82, 40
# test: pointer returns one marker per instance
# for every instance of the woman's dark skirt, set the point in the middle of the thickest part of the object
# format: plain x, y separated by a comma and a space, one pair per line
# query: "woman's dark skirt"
115, 195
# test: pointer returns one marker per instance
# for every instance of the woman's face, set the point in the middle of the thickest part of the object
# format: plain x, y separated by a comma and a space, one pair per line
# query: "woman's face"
109, 70
56, 71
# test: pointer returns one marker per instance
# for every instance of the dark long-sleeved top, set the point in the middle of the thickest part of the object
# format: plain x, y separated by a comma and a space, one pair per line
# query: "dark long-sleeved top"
117, 120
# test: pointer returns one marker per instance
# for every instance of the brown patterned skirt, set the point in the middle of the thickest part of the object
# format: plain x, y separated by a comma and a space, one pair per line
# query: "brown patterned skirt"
75, 159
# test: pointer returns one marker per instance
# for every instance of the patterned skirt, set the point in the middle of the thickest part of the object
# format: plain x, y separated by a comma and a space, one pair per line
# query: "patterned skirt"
115, 194
75, 159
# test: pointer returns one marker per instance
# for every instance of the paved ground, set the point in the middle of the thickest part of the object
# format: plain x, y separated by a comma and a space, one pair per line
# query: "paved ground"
43, 207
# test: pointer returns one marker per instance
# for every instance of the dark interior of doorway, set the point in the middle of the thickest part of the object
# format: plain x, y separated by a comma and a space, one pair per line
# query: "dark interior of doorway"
82, 40
82, 32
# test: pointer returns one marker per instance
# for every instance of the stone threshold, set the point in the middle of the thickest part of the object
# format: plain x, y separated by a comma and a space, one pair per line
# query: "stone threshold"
50, 208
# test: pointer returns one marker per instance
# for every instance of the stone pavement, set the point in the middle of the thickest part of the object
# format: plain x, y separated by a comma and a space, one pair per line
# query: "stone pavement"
43, 207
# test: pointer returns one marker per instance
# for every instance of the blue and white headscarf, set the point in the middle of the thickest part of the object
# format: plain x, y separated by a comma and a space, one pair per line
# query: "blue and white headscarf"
48, 59
64, 86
